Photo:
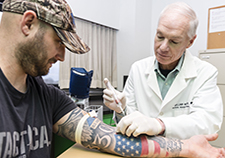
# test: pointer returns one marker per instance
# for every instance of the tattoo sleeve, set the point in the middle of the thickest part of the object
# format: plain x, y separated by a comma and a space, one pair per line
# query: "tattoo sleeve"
97, 135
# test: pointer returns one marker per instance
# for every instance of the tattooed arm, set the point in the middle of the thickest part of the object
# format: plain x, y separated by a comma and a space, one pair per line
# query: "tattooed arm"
97, 135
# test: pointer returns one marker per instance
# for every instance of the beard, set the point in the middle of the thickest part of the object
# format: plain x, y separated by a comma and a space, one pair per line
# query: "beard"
32, 55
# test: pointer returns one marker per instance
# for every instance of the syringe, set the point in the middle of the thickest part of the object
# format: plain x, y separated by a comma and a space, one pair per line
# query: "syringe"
110, 87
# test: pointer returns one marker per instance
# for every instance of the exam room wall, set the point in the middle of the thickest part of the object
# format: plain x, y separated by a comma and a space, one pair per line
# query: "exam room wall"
135, 40
132, 19
136, 21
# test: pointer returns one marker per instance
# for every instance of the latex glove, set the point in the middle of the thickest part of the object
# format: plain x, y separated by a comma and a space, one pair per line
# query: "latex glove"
109, 99
136, 123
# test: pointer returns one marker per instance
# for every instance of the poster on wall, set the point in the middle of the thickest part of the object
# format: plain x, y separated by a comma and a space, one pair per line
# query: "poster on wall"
217, 20
216, 27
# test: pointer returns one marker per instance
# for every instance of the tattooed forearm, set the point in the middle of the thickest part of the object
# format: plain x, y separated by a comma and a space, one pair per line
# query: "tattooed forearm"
102, 135
97, 135
167, 146
105, 138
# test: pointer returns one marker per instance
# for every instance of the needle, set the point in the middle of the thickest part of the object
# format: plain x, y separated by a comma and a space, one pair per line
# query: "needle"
119, 104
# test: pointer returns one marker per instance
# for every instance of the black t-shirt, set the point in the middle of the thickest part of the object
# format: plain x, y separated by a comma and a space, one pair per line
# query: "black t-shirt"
26, 119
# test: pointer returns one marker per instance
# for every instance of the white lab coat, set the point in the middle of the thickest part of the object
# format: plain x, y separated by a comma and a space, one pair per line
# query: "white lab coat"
193, 104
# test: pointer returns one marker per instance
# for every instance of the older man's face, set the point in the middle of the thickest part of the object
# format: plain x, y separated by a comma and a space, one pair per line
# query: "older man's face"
171, 39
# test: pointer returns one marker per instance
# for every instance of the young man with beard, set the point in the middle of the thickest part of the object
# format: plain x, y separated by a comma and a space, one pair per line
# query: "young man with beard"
34, 35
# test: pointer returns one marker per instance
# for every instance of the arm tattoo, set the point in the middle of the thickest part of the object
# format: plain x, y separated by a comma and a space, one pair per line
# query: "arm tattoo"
173, 146
68, 128
97, 135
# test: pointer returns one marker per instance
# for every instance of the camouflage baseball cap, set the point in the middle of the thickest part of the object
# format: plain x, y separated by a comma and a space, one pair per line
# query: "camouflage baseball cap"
55, 12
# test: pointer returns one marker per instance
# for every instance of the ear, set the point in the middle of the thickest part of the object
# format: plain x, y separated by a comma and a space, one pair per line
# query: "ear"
191, 41
28, 20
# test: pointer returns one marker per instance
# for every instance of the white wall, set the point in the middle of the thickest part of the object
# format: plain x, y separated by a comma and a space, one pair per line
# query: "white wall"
105, 12
146, 18
136, 21
201, 8
134, 35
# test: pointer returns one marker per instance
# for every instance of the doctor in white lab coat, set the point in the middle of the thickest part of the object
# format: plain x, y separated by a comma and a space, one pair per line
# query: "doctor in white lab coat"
172, 93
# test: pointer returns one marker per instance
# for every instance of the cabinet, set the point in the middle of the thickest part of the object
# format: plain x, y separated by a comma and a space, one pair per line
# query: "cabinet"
217, 58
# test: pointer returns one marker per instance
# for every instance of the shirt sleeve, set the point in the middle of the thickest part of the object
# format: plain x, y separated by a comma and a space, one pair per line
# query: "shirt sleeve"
62, 104
57, 102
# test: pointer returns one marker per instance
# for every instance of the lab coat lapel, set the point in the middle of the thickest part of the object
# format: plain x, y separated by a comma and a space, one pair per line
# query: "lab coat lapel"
152, 80
177, 86
187, 72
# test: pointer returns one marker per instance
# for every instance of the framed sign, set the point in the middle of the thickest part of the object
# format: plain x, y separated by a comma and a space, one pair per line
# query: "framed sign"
216, 27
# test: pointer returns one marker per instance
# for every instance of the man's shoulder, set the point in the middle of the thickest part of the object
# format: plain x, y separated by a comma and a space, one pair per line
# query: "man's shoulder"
39, 84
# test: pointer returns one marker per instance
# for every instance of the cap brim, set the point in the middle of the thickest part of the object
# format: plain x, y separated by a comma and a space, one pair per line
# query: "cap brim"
72, 41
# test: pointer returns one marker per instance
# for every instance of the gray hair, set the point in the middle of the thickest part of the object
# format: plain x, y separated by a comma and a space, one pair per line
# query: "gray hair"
183, 8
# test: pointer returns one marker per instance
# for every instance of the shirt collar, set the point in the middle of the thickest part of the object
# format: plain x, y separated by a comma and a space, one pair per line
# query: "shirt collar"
178, 67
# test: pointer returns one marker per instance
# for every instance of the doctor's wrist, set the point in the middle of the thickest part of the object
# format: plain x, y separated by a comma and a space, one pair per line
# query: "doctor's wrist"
163, 127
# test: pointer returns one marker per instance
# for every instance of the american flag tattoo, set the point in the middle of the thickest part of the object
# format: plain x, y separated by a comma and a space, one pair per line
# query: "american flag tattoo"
131, 147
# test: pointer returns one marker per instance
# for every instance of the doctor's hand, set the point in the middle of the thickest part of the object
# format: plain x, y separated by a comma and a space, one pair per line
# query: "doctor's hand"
109, 99
136, 123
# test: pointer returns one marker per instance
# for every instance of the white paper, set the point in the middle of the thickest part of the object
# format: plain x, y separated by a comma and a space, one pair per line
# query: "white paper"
217, 20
